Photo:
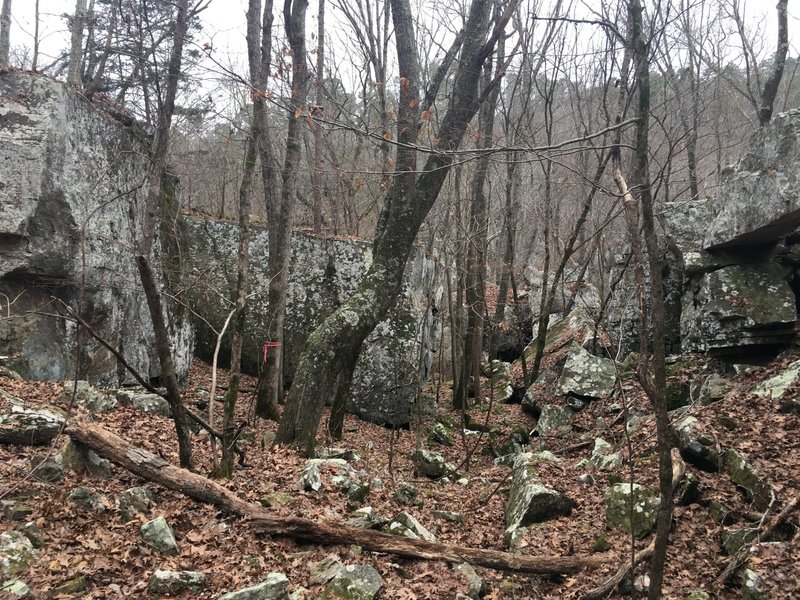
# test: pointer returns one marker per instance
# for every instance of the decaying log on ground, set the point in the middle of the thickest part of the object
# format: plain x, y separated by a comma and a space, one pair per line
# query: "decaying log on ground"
149, 466
605, 588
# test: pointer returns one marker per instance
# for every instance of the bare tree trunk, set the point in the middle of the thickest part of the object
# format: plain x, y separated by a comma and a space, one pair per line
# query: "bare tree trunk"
5, 32
652, 372
408, 201
266, 404
774, 80
320, 82
477, 239
76, 44
145, 246
99, 72
35, 58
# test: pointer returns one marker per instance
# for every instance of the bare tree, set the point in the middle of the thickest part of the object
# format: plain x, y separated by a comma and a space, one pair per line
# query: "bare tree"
774, 79
76, 25
5, 32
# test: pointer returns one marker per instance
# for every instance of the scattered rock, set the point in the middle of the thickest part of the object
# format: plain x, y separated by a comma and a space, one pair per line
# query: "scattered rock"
776, 387
77, 457
477, 587
72, 586
16, 551
18, 511
33, 532
431, 464
88, 397
690, 490
713, 388
441, 434
586, 375
311, 478
698, 595
696, 449
555, 419
747, 477
639, 521
366, 518
720, 513
15, 588
47, 468
406, 525
323, 571
275, 499
159, 535
501, 390
10, 373
136, 501
529, 501
173, 582
274, 587
30, 426
450, 516
152, 404
603, 456
752, 586
406, 494
354, 582
734, 539
87, 499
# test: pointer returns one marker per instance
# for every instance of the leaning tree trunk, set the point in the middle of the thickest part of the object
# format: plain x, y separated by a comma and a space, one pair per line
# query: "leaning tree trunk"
280, 214
774, 80
145, 247
340, 336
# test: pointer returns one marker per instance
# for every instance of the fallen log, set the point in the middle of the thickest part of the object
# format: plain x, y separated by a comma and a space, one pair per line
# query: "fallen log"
153, 468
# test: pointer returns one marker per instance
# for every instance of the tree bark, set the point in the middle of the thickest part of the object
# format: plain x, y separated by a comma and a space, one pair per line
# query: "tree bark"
407, 203
144, 249
76, 43
774, 80
153, 468
320, 81
5, 32
281, 214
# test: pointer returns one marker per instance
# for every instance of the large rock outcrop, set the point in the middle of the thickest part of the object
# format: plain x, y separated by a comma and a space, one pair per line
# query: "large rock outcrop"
324, 272
71, 209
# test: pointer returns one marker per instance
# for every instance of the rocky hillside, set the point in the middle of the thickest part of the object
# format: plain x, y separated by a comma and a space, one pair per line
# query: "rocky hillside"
550, 477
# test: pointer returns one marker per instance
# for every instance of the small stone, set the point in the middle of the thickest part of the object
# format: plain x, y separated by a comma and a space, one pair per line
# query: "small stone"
747, 477
407, 525
33, 532
323, 571
274, 587
46, 468
172, 582
353, 582
734, 539
18, 511
441, 434
275, 499
29, 426
603, 456
690, 490
752, 586
87, 499
406, 493
366, 518
555, 419
88, 397
452, 517
16, 551
159, 535
431, 464
698, 595
135, 501
642, 519
477, 587
77, 457
72, 586
15, 588
311, 479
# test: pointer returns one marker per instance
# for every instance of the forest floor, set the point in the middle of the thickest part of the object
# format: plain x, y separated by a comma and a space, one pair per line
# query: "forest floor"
117, 564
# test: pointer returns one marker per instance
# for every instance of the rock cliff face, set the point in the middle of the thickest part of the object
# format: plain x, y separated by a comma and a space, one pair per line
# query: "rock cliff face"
736, 267
323, 274
71, 204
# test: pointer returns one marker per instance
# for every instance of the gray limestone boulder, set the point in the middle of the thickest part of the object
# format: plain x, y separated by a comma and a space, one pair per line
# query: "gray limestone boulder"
88, 499
366, 518
274, 587
159, 535
30, 426
441, 434
759, 198
529, 501
604, 457
737, 307
501, 388
135, 501
555, 419
174, 582
354, 582
477, 587
696, 449
638, 520
323, 274
71, 209
88, 396
146, 403
749, 479
16, 551
776, 387
586, 375
74, 456
431, 464
406, 525
320, 573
